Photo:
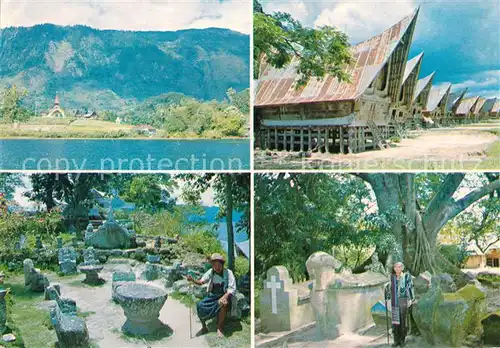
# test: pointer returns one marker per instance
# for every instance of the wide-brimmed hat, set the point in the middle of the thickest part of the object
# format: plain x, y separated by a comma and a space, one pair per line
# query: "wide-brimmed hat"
217, 257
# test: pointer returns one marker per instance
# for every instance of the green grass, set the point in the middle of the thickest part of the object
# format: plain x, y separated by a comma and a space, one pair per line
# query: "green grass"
185, 299
237, 334
30, 324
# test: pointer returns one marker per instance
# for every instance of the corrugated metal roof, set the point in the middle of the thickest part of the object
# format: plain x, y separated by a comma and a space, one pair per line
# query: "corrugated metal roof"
479, 105
411, 65
466, 105
436, 95
421, 84
488, 105
278, 87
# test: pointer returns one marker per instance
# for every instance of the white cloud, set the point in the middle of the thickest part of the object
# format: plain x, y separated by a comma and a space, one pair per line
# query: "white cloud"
162, 15
490, 78
362, 20
298, 10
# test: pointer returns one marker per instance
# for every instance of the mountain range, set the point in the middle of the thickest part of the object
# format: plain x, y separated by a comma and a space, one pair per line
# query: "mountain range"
114, 69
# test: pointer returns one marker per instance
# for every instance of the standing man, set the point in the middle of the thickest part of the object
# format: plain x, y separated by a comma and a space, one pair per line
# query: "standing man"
221, 287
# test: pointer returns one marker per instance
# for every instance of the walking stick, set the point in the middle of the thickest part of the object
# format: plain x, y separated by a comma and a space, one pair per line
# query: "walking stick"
387, 322
191, 312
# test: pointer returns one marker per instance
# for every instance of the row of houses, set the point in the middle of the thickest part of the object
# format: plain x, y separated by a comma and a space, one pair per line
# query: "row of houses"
384, 96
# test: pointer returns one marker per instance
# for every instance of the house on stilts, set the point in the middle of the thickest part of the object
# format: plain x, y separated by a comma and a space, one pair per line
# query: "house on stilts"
465, 111
420, 100
402, 112
476, 115
435, 111
495, 111
334, 116
485, 112
454, 101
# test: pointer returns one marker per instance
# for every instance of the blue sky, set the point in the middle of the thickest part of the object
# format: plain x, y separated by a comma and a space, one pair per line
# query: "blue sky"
460, 38
130, 14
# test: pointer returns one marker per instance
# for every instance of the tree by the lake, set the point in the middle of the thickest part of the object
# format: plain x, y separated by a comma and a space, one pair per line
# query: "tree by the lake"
279, 38
11, 109
231, 192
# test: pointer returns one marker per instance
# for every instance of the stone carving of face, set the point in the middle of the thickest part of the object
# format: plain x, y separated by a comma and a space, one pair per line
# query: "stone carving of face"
217, 266
374, 258
398, 268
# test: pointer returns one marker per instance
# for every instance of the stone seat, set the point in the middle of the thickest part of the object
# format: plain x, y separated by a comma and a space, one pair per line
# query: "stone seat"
71, 330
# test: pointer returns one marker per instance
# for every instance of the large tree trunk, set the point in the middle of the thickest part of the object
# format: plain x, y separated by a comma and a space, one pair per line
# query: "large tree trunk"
229, 222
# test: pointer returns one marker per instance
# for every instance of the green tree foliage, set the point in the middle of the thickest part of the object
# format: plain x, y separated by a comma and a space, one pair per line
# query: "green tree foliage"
73, 189
149, 192
299, 214
11, 109
478, 225
182, 115
8, 184
279, 38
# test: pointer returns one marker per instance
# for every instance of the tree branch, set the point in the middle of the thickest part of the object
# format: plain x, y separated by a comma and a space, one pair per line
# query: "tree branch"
472, 197
444, 194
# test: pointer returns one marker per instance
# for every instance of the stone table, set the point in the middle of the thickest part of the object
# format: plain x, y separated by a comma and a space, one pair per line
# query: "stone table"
142, 304
91, 273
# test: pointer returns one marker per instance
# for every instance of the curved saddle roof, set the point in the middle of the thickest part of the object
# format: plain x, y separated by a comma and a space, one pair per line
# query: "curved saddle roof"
278, 86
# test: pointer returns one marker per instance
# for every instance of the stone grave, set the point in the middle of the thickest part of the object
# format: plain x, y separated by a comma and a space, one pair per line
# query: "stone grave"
67, 260
280, 305
33, 278
293, 308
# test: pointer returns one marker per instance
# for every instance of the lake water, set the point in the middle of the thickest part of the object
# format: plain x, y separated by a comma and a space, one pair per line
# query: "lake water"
124, 154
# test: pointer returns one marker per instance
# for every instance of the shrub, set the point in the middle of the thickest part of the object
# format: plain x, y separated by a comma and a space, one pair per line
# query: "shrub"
202, 242
456, 254
241, 266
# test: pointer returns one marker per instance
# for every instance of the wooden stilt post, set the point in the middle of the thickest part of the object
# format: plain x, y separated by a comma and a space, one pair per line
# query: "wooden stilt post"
342, 150
268, 145
301, 139
309, 140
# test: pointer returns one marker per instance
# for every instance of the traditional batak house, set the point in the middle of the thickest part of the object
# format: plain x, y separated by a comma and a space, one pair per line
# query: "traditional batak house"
453, 103
485, 112
476, 115
435, 110
465, 111
495, 112
420, 100
56, 111
402, 110
330, 115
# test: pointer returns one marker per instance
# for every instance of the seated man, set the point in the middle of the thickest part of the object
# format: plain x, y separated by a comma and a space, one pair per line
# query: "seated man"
221, 286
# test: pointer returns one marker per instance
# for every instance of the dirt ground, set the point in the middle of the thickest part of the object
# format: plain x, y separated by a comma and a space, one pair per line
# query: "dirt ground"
469, 147
104, 318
